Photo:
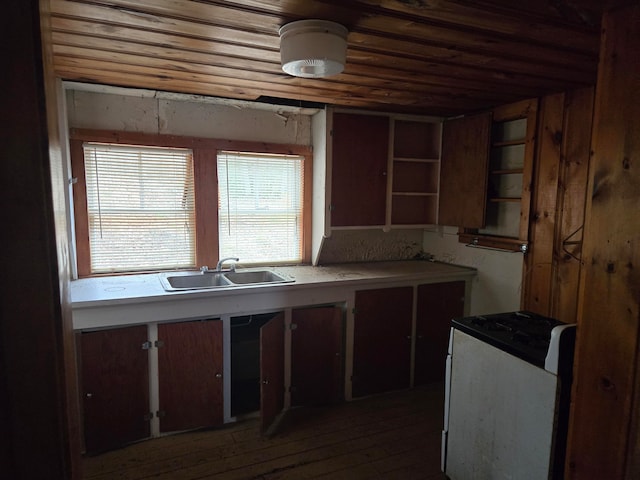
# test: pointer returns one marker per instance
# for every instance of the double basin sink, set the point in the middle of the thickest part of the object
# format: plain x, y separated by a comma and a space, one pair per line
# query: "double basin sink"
214, 280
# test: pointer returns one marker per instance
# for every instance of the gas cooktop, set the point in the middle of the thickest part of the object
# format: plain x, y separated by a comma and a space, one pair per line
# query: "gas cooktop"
524, 334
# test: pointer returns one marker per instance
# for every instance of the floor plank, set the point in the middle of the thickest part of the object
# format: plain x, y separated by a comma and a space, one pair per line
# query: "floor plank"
390, 436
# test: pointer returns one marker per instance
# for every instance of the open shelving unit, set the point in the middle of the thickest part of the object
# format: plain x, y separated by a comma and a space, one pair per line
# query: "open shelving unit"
509, 173
506, 170
415, 172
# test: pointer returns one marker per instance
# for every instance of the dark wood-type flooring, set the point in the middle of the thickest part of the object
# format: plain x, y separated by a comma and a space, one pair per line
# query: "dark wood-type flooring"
391, 436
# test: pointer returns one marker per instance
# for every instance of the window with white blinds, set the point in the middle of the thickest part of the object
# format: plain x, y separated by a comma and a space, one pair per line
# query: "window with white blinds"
260, 207
140, 206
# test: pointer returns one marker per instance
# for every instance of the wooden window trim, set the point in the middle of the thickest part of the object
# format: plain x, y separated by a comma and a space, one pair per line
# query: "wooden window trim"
205, 152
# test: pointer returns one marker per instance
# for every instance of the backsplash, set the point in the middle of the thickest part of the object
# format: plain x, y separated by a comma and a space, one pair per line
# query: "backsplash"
371, 245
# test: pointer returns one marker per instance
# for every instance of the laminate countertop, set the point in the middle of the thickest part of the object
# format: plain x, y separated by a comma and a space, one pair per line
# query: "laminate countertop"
122, 299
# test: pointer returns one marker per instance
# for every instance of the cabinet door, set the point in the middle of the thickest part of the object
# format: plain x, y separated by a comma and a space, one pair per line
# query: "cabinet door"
316, 356
382, 340
359, 169
463, 171
115, 387
271, 371
438, 303
190, 374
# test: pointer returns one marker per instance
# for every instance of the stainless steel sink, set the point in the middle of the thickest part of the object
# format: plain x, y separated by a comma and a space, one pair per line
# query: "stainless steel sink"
194, 281
255, 277
216, 280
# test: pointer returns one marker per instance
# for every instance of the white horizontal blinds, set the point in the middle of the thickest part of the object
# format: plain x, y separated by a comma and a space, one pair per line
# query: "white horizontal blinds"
260, 207
140, 206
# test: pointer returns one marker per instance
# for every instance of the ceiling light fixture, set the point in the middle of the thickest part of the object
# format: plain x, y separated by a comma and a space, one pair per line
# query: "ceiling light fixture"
313, 48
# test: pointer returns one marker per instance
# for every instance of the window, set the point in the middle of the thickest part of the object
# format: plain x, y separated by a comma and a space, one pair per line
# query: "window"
260, 207
146, 202
140, 207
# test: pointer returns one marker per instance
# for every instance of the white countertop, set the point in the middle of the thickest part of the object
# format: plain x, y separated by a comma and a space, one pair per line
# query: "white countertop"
123, 289
133, 299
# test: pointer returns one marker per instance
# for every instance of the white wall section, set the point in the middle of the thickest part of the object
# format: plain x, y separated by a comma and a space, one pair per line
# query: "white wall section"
497, 287
193, 118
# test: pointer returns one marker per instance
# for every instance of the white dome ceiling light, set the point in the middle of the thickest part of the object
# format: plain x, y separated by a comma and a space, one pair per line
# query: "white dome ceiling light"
313, 48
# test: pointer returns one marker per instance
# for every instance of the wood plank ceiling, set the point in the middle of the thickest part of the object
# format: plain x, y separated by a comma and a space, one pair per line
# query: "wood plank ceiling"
437, 57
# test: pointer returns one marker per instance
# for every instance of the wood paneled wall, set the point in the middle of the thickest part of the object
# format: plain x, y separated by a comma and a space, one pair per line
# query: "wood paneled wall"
604, 434
552, 266
36, 364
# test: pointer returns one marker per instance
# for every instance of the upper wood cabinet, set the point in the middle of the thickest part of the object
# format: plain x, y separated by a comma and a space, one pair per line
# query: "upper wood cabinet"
487, 167
374, 170
360, 146
464, 167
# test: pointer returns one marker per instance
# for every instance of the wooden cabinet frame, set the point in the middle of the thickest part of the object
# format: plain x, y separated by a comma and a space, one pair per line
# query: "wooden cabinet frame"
472, 236
400, 334
190, 374
381, 170
114, 381
324, 315
414, 172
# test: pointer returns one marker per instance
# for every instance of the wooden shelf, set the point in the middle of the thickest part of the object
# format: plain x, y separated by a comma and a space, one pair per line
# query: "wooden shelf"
414, 209
414, 163
415, 177
415, 194
505, 199
508, 171
488, 241
416, 160
416, 139
508, 143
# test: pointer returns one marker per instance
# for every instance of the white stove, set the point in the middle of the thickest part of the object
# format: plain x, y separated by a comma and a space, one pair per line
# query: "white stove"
507, 397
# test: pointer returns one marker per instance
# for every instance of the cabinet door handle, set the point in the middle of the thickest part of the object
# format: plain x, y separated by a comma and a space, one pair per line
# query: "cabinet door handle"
89, 395
218, 375
265, 382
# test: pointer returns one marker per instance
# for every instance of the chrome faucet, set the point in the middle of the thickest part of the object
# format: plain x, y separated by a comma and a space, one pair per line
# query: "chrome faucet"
223, 260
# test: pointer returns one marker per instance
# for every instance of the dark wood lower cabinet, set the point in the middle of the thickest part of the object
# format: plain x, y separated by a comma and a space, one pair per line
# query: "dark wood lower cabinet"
115, 362
190, 375
438, 303
317, 356
382, 340
271, 371
115, 387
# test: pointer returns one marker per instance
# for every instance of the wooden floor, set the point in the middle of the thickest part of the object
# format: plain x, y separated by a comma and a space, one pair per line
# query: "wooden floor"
391, 436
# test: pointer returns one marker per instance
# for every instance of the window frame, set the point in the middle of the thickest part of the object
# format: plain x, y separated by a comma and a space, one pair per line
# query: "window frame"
242, 206
205, 153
